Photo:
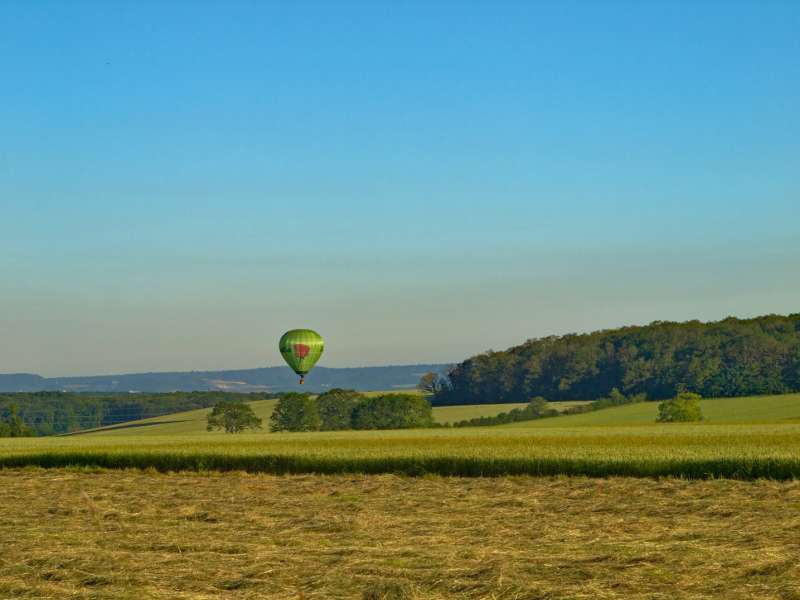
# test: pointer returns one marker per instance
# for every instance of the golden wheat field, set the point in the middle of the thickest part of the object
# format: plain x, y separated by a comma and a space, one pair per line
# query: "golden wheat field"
742, 451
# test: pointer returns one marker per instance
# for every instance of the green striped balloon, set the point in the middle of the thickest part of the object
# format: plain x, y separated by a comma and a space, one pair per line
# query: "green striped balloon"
301, 349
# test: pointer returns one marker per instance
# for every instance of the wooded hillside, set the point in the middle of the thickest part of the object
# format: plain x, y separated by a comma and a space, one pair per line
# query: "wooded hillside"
732, 357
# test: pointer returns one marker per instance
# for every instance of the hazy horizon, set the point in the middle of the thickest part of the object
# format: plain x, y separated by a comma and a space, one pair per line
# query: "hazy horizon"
180, 184
351, 366
245, 368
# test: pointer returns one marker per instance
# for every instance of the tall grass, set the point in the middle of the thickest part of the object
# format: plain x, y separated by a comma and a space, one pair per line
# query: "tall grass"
691, 451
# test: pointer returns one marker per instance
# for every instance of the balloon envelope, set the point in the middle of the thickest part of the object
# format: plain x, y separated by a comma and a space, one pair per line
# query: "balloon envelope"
301, 349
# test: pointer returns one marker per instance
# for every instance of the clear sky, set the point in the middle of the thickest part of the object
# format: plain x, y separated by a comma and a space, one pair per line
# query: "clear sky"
180, 182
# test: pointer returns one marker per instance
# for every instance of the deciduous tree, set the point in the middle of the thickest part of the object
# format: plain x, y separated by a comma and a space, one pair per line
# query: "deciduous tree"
295, 412
12, 425
393, 411
336, 408
684, 408
429, 383
233, 417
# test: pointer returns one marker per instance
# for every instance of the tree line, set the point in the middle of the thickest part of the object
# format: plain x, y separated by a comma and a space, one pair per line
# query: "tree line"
51, 413
732, 357
340, 409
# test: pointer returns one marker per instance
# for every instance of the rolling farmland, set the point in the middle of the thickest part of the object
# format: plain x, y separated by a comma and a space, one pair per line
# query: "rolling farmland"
194, 421
749, 410
132, 513
616, 441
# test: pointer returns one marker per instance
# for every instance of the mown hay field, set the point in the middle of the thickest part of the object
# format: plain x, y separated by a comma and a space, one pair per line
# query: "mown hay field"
133, 535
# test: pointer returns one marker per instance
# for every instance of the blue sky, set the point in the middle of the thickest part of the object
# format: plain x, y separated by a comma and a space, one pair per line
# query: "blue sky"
419, 181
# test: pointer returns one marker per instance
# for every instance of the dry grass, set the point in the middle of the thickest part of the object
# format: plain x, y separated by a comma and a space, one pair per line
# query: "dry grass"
135, 534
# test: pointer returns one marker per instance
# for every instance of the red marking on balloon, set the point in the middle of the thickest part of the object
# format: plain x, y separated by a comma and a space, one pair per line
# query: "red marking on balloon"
301, 350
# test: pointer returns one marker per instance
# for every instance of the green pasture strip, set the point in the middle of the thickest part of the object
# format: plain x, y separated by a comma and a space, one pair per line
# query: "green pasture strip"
194, 421
783, 408
182, 423
563, 405
690, 451
452, 414
397, 390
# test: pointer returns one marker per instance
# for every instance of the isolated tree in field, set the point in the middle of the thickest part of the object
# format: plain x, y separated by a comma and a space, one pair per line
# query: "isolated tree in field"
429, 383
539, 407
295, 412
12, 425
233, 417
684, 408
336, 408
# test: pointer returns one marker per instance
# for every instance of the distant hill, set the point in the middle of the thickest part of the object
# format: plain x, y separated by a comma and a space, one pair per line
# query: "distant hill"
268, 379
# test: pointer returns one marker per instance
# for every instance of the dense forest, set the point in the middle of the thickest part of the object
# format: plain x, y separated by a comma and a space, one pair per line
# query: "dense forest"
732, 357
48, 413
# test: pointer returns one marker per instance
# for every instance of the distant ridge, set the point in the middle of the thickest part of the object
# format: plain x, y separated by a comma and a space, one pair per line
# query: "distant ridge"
267, 379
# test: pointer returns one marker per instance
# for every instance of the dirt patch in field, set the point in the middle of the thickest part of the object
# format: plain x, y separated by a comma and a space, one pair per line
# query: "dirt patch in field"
134, 534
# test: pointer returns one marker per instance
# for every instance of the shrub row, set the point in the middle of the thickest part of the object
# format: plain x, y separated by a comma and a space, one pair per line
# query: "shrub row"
538, 408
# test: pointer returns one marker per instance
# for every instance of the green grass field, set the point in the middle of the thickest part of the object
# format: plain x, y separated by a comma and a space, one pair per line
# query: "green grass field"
698, 451
743, 438
194, 421
752, 409
181, 423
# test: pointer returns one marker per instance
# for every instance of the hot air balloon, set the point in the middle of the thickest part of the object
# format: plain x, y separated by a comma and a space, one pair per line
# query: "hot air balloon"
301, 349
